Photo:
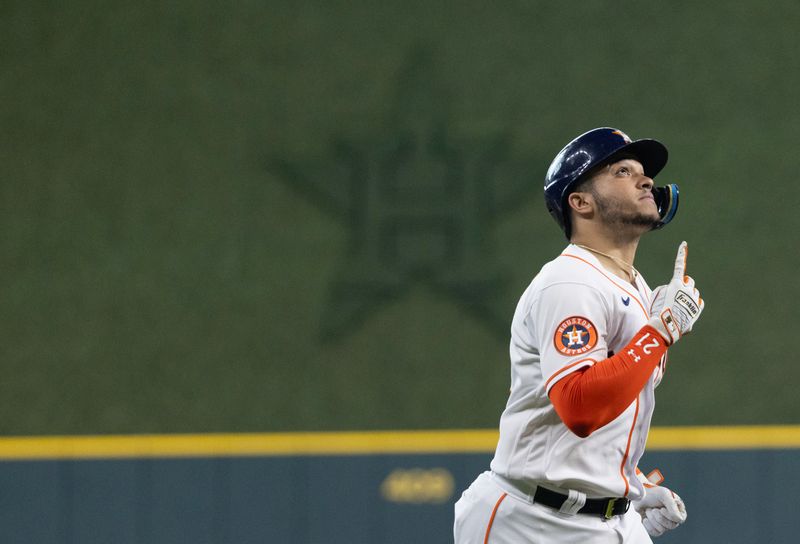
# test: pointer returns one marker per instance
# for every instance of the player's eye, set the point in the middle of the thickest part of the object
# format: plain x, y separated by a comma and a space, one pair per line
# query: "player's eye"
623, 171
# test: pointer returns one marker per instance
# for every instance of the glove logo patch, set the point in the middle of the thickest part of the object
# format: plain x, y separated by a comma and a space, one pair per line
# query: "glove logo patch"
574, 336
686, 301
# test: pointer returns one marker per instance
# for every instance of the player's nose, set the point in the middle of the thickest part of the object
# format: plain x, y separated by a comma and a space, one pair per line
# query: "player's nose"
645, 182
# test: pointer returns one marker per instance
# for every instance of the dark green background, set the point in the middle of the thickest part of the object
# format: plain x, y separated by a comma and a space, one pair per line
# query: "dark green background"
164, 267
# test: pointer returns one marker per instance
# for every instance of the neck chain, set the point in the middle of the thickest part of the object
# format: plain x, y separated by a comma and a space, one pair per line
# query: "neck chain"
626, 266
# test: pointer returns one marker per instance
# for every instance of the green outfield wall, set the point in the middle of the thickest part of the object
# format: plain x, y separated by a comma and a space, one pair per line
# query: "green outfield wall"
308, 216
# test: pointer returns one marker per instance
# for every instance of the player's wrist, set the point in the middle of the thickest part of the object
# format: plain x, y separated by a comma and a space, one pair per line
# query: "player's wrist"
654, 478
664, 326
662, 333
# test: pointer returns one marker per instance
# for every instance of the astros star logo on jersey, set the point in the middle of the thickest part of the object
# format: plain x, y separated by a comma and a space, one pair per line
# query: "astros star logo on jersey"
575, 335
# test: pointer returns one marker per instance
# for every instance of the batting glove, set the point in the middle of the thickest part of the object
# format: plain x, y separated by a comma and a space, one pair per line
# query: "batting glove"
656, 521
677, 305
661, 509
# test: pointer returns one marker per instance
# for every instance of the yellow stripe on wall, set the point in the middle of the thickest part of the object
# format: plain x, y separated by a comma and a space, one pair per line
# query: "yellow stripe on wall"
358, 443
724, 438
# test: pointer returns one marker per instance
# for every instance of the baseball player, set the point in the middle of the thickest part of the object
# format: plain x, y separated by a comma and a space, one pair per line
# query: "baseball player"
588, 347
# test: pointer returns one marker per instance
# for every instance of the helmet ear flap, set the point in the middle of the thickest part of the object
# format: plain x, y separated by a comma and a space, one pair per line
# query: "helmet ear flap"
666, 198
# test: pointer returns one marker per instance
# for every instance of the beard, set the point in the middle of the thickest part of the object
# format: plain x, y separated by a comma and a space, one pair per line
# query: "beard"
616, 212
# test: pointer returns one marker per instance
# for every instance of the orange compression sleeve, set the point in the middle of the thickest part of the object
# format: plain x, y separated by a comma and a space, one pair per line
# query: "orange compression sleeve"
591, 397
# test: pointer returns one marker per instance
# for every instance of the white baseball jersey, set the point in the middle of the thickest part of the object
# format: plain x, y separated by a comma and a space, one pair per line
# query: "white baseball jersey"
573, 314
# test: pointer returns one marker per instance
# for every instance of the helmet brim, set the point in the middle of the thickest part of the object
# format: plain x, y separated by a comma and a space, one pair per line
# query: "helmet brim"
650, 153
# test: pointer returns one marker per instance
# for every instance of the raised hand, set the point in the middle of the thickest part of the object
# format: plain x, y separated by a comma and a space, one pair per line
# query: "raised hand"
677, 305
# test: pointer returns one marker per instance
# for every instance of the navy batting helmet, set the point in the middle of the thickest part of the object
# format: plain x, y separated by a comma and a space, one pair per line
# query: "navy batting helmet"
594, 148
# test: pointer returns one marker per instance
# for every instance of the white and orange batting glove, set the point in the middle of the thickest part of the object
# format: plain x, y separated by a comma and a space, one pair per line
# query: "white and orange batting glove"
676, 305
661, 509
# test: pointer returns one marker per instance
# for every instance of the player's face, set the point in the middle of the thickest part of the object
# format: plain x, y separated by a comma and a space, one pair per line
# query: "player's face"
624, 195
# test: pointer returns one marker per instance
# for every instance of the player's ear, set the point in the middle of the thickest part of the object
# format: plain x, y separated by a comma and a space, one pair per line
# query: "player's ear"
581, 203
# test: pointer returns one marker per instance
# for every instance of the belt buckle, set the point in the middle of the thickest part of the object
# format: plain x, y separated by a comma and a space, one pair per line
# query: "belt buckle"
610, 509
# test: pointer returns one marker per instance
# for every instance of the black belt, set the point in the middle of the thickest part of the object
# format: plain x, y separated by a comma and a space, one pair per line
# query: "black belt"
604, 507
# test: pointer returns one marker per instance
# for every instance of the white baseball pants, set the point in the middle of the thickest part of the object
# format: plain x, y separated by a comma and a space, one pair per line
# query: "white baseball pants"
487, 513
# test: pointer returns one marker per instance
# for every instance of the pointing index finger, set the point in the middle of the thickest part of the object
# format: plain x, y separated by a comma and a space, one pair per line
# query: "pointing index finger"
680, 261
